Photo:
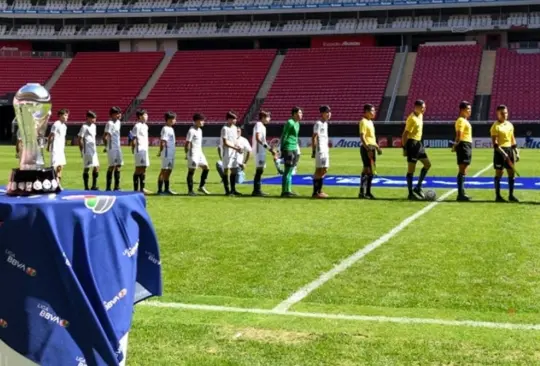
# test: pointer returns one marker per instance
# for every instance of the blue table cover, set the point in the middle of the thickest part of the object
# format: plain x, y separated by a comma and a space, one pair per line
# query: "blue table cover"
72, 266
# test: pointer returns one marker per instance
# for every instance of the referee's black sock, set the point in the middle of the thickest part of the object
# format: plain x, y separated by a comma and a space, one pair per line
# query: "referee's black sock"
204, 175
85, 177
409, 183
136, 182
460, 182
498, 186
421, 178
160, 185
142, 180
257, 180
190, 180
95, 176
368, 184
116, 180
232, 180
363, 183
109, 179
167, 186
511, 186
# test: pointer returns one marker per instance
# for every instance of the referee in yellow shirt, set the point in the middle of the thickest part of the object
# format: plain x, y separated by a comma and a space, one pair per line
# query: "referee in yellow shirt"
414, 150
463, 147
505, 154
367, 151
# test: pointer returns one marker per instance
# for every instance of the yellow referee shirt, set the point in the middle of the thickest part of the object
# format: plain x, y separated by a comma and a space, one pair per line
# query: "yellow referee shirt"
504, 131
368, 130
464, 128
414, 126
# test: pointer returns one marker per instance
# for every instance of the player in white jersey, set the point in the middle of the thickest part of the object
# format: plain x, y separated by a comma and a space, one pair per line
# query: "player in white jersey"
139, 148
88, 147
56, 144
195, 155
167, 151
113, 147
260, 146
320, 151
242, 157
229, 135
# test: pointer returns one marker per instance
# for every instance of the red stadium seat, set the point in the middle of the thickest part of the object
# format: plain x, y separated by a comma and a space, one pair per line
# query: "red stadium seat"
516, 83
17, 71
100, 80
344, 78
443, 76
210, 82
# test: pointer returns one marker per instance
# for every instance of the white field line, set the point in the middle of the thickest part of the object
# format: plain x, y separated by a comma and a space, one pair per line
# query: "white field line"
303, 292
367, 318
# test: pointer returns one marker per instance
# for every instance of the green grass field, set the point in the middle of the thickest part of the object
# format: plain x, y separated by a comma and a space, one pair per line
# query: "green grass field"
458, 285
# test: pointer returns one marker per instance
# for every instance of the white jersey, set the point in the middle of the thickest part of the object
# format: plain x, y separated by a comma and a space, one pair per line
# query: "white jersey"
113, 129
321, 128
88, 134
242, 143
140, 132
167, 135
59, 130
195, 137
260, 129
229, 133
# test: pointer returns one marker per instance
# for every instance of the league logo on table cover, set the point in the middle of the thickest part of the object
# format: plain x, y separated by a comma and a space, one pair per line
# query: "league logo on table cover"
19, 265
108, 305
97, 204
47, 314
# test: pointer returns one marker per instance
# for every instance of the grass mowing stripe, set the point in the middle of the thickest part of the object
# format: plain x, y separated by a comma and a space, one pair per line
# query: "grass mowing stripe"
303, 292
367, 318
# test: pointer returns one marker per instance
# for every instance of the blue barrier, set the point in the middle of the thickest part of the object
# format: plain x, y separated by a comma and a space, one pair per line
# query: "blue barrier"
530, 183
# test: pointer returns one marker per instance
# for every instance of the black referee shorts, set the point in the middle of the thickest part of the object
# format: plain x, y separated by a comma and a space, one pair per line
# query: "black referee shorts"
364, 154
290, 157
499, 162
415, 151
464, 153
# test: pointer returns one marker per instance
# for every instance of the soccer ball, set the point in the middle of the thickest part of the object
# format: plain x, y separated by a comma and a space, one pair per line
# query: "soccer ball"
430, 195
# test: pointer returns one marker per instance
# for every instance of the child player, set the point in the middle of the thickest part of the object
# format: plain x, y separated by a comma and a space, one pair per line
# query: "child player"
320, 151
57, 142
260, 146
167, 151
113, 147
87, 145
505, 153
289, 150
139, 148
242, 157
195, 155
229, 135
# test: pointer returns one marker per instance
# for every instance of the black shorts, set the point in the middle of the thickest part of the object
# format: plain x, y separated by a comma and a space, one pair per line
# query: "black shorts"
365, 156
464, 153
415, 151
290, 157
499, 162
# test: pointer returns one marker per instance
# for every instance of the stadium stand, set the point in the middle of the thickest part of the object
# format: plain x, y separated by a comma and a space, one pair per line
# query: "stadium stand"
210, 82
443, 76
17, 71
99, 80
344, 78
515, 84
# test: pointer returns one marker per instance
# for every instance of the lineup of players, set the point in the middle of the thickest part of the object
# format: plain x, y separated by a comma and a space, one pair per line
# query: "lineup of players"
234, 151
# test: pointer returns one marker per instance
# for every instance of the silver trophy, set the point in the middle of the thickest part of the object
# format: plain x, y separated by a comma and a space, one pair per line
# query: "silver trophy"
32, 105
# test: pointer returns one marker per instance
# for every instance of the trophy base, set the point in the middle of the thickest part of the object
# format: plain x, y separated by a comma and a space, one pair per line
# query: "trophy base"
32, 182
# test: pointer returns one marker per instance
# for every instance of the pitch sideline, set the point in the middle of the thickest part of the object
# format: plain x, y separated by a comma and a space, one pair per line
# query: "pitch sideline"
303, 292
367, 318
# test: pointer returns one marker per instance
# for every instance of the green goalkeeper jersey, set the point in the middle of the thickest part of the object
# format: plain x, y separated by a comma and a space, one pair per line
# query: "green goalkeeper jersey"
289, 136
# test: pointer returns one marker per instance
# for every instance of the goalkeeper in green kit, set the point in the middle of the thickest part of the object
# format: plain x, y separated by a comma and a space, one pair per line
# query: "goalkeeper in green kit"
289, 150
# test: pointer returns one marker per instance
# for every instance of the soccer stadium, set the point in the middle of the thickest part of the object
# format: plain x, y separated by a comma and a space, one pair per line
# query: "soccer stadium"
323, 274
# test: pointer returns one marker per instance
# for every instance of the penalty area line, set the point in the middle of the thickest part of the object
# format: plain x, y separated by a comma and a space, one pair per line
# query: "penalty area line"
327, 316
303, 292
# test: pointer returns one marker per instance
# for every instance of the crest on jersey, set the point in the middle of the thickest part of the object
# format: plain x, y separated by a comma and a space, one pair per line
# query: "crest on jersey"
97, 204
